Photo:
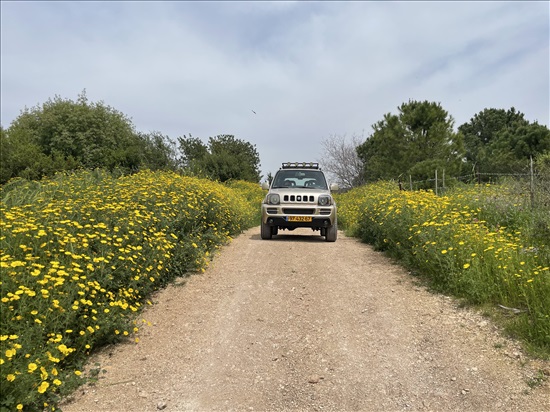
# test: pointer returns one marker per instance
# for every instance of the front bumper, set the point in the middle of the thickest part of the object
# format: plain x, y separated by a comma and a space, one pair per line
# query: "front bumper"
281, 221
318, 217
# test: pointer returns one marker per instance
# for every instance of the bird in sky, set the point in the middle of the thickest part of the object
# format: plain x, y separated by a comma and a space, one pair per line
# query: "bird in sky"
253, 112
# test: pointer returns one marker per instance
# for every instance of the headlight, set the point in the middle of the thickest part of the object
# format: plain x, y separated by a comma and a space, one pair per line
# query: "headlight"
324, 200
273, 199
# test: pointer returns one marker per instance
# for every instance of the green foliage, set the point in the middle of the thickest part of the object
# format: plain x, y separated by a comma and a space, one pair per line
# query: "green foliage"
543, 165
224, 158
414, 142
192, 152
22, 157
63, 134
159, 151
93, 134
502, 141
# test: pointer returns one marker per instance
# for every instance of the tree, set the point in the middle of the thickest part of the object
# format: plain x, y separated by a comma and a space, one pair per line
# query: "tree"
159, 151
22, 157
416, 141
543, 165
514, 147
224, 158
63, 134
192, 152
341, 161
488, 139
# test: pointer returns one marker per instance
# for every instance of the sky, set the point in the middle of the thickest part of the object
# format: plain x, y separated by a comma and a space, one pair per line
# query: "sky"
283, 76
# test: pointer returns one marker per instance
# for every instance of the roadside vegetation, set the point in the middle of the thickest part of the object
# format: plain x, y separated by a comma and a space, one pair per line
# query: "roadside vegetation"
81, 254
65, 135
96, 215
483, 244
485, 236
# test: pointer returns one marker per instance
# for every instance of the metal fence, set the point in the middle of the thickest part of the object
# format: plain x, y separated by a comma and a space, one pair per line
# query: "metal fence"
532, 185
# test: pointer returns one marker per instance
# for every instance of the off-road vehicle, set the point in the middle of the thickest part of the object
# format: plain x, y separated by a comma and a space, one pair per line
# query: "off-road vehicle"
299, 196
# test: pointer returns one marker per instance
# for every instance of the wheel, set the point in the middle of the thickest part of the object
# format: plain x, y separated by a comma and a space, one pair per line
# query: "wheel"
332, 233
265, 231
274, 230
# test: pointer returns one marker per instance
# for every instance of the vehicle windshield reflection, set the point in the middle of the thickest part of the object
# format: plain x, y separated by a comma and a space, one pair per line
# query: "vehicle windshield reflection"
300, 179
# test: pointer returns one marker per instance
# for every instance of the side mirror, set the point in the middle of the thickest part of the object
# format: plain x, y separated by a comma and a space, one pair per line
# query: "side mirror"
265, 186
334, 187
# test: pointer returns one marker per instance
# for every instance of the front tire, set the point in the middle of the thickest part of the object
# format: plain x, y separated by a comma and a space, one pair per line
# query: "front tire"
332, 233
265, 231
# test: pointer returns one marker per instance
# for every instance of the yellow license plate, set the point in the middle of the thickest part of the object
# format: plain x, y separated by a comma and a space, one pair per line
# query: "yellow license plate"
299, 218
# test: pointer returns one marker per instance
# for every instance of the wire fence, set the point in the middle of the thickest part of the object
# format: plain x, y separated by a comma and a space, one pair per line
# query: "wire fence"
532, 185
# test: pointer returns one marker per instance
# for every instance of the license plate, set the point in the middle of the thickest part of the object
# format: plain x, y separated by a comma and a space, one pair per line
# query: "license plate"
298, 218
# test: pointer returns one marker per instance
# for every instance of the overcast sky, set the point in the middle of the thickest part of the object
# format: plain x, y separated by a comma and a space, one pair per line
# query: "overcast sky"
309, 70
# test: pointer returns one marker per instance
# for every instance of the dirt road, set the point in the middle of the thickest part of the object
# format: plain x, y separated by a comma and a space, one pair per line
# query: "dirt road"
296, 323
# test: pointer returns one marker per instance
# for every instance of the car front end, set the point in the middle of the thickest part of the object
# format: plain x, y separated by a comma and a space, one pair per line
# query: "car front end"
299, 196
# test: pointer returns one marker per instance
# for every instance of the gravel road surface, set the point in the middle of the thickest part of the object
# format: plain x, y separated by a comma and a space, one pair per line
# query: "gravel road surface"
299, 324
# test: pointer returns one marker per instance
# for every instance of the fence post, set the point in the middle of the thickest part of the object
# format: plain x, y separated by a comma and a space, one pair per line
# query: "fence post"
411, 182
436, 182
532, 186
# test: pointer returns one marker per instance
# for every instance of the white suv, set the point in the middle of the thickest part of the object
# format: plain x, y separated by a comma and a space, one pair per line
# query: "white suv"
299, 196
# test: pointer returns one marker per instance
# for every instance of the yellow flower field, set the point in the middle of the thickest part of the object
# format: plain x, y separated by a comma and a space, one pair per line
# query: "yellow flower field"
80, 255
471, 243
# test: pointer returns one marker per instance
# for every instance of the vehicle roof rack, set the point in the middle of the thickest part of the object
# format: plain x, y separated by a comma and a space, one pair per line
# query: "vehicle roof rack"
300, 165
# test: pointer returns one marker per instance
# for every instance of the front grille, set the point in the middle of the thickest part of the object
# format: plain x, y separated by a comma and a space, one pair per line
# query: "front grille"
299, 198
289, 211
325, 211
272, 210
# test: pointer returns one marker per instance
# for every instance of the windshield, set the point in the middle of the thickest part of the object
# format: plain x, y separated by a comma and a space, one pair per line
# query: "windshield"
310, 179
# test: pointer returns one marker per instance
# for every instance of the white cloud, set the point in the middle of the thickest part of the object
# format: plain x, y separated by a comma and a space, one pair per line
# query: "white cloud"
308, 69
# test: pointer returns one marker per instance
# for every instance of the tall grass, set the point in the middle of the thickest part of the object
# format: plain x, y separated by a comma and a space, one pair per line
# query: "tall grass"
482, 244
80, 254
